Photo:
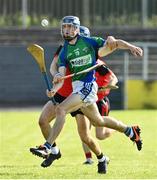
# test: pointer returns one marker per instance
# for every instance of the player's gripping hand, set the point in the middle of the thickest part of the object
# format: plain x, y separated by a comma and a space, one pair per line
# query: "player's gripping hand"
136, 51
55, 88
51, 93
57, 78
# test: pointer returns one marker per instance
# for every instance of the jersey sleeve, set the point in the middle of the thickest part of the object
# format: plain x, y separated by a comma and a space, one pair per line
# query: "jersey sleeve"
62, 59
99, 41
58, 50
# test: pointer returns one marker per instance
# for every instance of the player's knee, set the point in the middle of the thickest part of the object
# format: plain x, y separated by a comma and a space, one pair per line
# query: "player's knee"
85, 137
102, 136
60, 111
107, 134
99, 136
97, 122
42, 121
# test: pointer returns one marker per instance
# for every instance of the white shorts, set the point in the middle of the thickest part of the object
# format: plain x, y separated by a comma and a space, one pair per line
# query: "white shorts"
87, 91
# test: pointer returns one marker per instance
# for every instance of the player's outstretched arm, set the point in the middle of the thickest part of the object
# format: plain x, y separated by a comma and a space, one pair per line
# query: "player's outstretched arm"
135, 50
113, 44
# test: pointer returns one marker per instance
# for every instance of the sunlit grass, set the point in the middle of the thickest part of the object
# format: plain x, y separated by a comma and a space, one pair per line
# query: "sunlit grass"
19, 131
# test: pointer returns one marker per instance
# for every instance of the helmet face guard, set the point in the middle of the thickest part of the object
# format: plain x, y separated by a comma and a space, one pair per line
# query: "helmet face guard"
74, 22
84, 31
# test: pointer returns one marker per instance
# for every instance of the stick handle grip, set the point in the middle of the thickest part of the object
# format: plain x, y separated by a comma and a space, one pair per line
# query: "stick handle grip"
49, 86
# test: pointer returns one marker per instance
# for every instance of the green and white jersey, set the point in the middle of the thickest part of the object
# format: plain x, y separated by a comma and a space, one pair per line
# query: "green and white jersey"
80, 56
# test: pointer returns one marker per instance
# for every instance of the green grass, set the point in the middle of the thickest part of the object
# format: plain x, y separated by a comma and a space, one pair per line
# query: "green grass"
19, 130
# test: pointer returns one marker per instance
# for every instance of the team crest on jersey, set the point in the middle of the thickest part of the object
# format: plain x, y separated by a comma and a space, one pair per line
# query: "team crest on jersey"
77, 52
81, 61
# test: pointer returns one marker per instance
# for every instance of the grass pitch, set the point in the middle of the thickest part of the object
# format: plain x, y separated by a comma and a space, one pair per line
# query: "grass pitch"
19, 131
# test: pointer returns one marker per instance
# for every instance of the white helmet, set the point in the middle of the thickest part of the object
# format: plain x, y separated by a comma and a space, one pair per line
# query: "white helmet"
72, 20
84, 31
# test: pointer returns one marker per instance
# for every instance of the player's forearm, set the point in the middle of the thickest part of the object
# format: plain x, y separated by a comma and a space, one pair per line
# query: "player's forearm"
135, 50
53, 66
121, 44
104, 51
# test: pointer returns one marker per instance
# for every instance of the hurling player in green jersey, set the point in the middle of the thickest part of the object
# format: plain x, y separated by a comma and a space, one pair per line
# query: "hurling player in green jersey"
79, 53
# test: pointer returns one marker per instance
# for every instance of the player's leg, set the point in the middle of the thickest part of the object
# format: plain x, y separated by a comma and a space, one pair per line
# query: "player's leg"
104, 109
86, 149
101, 132
71, 103
58, 125
85, 135
47, 115
94, 116
87, 152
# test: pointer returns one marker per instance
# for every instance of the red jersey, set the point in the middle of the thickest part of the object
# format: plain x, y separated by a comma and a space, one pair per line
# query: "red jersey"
102, 78
102, 81
66, 89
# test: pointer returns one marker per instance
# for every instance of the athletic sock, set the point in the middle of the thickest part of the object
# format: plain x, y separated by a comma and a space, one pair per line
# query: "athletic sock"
101, 158
88, 155
54, 150
54, 144
47, 145
129, 132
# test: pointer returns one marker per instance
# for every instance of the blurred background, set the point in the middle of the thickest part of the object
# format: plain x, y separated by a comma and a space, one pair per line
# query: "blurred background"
135, 21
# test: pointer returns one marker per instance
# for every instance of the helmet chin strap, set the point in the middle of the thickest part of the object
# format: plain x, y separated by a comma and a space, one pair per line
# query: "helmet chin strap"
70, 38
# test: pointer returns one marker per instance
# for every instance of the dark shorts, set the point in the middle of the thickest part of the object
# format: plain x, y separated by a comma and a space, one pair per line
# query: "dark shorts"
74, 113
58, 99
103, 107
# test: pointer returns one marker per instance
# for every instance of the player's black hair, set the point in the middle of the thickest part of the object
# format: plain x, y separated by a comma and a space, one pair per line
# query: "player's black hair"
102, 70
